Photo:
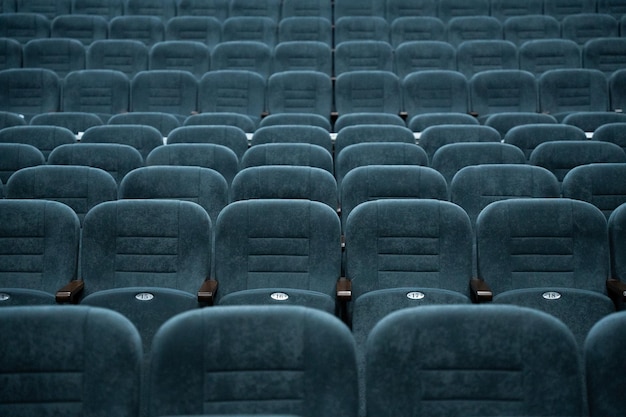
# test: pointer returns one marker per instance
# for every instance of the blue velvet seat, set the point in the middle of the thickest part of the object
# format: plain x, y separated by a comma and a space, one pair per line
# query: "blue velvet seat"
24, 26
125, 55
143, 28
540, 55
598, 184
305, 29
213, 8
261, 29
15, 156
44, 138
303, 55
611, 132
356, 28
10, 53
300, 92
29, 91
247, 55
230, 136
281, 153
434, 137
206, 29
76, 122
466, 28
103, 92
474, 56
61, 55
582, 27
180, 55
362, 133
416, 28
500, 91
523, 28
163, 122
144, 138
104, 8
423, 55
166, 91
528, 137
288, 133
83, 28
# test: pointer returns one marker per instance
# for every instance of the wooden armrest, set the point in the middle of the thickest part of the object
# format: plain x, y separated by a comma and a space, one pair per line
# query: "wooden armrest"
616, 290
344, 289
480, 291
70, 292
206, 293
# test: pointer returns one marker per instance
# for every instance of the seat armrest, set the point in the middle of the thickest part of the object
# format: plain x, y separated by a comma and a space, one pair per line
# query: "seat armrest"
344, 289
70, 292
207, 292
616, 290
480, 291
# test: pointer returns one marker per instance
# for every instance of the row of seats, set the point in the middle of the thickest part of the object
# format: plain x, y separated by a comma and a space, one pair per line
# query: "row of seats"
210, 31
309, 94
265, 360
64, 55
280, 9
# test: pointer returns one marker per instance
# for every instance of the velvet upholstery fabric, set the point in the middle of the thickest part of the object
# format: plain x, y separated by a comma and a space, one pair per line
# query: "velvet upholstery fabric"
616, 85
554, 249
410, 28
466, 28
590, 121
561, 8
318, 8
217, 8
125, 55
260, 28
359, 28
146, 29
106, 9
374, 182
8, 119
591, 85
252, 8
612, 132
560, 157
582, 27
40, 255
420, 122
232, 137
163, 10
612, 7
303, 55
239, 120
617, 235
206, 155
29, 91
521, 29
599, 184
84, 28
79, 187
103, 92
291, 182
417, 363
141, 137
361, 133
116, 159
378, 153
503, 9
307, 119
277, 245
360, 118
363, 55
505, 121
451, 158
448, 9
298, 91
180, 55
59, 55
303, 154
71, 361
368, 92
203, 28
481, 55
400, 8
435, 137
603, 348
44, 138
498, 91
540, 55
314, 135
306, 29
253, 56
254, 359
358, 8
24, 26
528, 137
43, 7
166, 91
15, 156
76, 122
434, 91
236, 91
163, 122
202, 186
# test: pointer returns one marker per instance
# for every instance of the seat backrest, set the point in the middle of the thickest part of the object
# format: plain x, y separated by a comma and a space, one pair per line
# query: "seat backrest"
253, 338
504, 9
351, 135
361, 28
164, 10
367, 91
237, 91
105, 8
435, 91
314, 135
498, 91
306, 8
230, 136
363, 55
401, 8
467, 28
562, 8
481, 55
10, 54
358, 8
424, 55
616, 84
296, 119
29, 91
251, 56
141, 137
277, 243
9, 119
575, 89
382, 182
204, 29
538, 242
115, 158
300, 92
304, 154
582, 27
305, 29
475, 187
126, 55
368, 118
450, 158
448, 9
286, 182
561, 156
612, 132
83, 28
416, 28
202, 186
163, 122
59, 55
224, 118
377, 153
213, 8
143, 28
250, 28
65, 348
104, 92
181, 55
41, 250
303, 55
528, 137
617, 230
251, 8
589, 121
598, 184
165, 91
520, 29
428, 347
605, 55
207, 155
146, 243
79, 187
505, 121
434, 137
540, 55
24, 26
420, 122
15, 156
44, 138
76, 122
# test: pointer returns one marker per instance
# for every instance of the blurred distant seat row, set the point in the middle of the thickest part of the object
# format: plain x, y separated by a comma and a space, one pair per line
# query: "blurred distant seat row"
276, 9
